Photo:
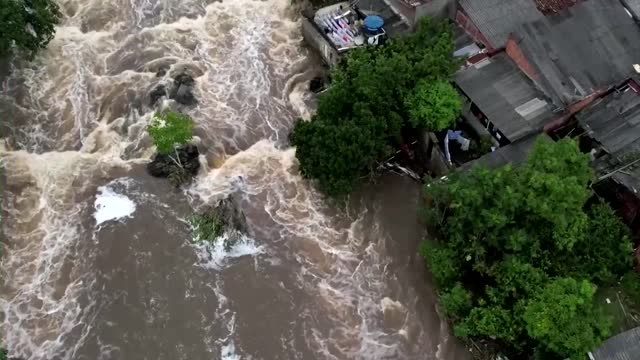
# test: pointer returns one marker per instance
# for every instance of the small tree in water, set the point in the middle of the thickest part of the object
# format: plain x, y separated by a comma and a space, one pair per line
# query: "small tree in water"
169, 130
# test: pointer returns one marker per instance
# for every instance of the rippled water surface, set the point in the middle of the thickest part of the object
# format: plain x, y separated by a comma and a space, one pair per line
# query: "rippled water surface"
99, 262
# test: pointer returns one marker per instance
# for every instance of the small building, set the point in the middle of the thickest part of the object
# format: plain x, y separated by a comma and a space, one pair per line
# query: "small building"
612, 124
490, 22
625, 346
503, 99
547, 60
579, 51
611, 128
335, 29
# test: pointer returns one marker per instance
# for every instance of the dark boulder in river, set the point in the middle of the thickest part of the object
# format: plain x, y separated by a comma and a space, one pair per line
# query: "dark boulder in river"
167, 166
182, 91
157, 94
231, 215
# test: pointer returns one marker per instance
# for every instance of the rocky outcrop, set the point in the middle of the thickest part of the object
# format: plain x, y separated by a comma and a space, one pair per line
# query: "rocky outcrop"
231, 215
223, 222
166, 165
182, 90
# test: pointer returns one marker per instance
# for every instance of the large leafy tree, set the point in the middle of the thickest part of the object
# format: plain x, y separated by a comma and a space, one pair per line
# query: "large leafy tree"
433, 106
562, 317
360, 118
27, 25
515, 241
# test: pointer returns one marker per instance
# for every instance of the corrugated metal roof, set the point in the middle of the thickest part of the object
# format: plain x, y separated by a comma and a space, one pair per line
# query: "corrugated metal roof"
496, 19
590, 46
625, 346
506, 96
615, 123
633, 6
514, 154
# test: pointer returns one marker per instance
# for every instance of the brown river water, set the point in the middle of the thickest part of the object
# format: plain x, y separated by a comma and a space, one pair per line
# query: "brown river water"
98, 261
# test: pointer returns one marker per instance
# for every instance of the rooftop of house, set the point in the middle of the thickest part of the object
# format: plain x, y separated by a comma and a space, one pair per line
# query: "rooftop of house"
633, 6
393, 22
587, 47
496, 19
625, 346
514, 154
506, 96
614, 122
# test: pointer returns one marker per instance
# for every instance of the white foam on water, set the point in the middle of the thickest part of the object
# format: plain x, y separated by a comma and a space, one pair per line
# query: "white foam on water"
110, 205
228, 352
46, 269
215, 256
339, 266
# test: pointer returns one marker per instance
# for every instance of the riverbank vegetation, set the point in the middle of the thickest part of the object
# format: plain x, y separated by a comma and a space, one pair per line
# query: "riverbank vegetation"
521, 252
176, 160
27, 26
224, 222
208, 228
378, 94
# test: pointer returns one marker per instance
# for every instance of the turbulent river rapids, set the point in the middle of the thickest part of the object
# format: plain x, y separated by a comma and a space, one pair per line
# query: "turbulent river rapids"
98, 261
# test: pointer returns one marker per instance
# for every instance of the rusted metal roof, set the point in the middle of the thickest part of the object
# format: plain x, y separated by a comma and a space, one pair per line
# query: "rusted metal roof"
554, 6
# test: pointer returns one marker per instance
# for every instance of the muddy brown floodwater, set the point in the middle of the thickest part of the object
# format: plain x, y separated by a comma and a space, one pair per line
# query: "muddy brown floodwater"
99, 262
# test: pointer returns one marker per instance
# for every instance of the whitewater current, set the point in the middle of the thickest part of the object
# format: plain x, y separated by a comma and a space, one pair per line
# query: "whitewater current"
98, 261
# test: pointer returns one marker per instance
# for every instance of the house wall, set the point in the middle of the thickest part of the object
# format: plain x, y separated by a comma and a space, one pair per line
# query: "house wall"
470, 28
315, 39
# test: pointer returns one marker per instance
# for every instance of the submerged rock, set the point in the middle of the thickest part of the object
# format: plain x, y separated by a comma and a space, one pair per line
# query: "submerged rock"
161, 72
182, 91
157, 94
165, 166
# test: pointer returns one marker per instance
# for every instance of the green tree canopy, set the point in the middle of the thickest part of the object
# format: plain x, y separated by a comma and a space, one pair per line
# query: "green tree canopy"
562, 317
169, 129
27, 25
519, 240
360, 118
433, 106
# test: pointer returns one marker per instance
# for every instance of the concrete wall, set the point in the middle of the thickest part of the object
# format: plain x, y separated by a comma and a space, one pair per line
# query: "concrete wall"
315, 39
